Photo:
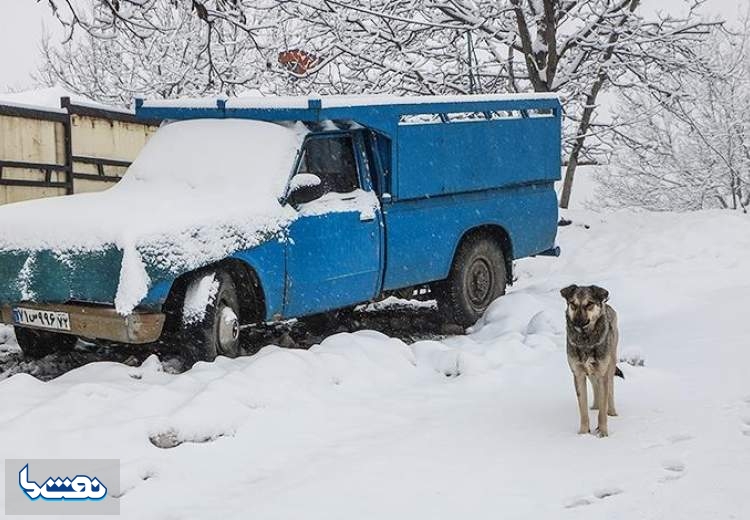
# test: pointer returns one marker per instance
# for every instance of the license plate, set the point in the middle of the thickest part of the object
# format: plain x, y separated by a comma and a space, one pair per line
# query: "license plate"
41, 319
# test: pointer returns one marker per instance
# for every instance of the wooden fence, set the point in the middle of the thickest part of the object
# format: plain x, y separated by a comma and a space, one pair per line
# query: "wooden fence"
77, 149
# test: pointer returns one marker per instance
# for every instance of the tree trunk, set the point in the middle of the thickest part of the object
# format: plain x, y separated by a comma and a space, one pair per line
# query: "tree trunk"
588, 112
570, 171
575, 152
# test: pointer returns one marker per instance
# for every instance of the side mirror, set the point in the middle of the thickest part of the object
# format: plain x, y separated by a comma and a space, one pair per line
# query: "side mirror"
304, 187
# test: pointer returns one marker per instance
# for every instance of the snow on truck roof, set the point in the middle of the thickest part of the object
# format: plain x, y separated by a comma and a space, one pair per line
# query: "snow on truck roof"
379, 111
297, 102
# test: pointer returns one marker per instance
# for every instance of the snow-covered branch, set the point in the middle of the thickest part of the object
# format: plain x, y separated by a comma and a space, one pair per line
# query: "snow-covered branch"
581, 49
690, 151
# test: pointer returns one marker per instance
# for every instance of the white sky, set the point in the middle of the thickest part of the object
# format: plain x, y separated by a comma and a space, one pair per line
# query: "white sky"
23, 23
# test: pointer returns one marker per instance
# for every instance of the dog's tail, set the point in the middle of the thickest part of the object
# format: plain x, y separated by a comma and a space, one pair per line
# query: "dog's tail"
619, 373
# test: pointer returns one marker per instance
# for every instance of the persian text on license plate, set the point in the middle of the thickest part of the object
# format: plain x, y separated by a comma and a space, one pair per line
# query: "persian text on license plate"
43, 319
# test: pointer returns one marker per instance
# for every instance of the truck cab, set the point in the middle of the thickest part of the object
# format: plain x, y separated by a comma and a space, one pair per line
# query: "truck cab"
335, 250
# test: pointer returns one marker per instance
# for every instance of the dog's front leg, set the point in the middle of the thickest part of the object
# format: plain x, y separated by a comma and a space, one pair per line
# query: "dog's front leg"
595, 385
604, 383
579, 381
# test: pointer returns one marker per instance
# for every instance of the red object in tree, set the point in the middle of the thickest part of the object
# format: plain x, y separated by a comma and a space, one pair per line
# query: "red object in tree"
298, 61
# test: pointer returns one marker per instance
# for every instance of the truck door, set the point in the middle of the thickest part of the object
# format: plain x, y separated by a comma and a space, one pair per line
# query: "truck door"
334, 246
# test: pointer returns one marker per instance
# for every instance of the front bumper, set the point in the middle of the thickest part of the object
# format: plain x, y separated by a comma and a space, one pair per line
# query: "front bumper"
99, 322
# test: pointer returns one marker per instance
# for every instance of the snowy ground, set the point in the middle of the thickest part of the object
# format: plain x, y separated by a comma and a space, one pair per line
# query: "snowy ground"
476, 426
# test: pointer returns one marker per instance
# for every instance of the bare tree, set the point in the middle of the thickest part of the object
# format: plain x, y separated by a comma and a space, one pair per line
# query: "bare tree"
578, 48
171, 48
692, 151
162, 49
103, 18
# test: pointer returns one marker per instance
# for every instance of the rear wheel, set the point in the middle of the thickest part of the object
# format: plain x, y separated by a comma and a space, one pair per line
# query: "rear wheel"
217, 331
476, 279
39, 343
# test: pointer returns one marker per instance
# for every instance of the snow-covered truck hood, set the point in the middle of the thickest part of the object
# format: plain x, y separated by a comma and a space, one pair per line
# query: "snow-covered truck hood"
199, 191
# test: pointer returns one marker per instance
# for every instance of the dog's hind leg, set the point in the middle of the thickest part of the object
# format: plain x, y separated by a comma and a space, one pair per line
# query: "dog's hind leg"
579, 380
602, 429
611, 410
614, 340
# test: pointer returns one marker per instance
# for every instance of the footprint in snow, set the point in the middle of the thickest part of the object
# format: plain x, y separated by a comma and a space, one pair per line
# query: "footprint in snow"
578, 502
598, 494
674, 469
679, 437
746, 418
672, 439
746, 426
607, 492
147, 475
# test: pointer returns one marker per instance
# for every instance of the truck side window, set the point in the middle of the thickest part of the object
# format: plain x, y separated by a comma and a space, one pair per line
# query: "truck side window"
331, 159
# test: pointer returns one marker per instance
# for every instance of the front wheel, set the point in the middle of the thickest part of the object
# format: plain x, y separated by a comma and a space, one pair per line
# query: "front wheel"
477, 277
210, 318
39, 343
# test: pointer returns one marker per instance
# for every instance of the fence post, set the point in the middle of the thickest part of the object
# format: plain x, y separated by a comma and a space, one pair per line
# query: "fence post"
68, 144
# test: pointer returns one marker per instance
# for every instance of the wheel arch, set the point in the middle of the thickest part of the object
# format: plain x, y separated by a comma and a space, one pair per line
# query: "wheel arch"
497, 233
250, 292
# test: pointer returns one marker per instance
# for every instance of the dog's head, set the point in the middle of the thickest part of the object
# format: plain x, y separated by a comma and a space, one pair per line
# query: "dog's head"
585, 305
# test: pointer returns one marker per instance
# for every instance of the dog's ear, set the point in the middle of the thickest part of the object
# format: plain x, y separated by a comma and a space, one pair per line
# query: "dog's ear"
568, 291
600, 294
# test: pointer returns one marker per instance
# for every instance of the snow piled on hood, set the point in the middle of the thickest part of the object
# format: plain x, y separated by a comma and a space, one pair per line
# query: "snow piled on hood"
198, 191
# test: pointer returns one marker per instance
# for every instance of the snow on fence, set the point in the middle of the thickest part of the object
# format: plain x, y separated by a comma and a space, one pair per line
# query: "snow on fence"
78, 148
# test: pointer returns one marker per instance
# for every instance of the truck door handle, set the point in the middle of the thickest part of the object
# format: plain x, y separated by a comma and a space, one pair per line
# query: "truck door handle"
366, 217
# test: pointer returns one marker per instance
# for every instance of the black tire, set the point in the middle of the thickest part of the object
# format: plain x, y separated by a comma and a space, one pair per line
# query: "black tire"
39, 343
218, 333
477, 277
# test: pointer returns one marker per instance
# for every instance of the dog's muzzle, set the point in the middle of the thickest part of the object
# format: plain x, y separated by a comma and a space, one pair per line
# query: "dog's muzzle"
580, 326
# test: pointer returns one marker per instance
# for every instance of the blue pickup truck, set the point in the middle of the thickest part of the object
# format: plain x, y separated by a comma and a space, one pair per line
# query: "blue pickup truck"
244, 211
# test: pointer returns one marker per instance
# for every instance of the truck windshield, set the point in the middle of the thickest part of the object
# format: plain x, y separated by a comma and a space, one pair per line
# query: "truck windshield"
204, 154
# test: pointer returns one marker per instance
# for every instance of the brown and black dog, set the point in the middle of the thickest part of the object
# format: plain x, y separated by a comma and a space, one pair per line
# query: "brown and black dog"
592, 351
